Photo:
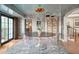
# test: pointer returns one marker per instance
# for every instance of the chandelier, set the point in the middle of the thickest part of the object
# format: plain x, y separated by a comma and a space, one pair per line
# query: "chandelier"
39, 9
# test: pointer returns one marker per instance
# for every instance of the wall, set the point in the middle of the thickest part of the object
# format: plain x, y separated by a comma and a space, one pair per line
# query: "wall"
34, 23
21, 28
34, 28
72, 23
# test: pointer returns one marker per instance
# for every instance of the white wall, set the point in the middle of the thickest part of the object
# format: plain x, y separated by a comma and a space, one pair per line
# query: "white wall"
72, 22
34, 24
21, 27
65, 29
34, 28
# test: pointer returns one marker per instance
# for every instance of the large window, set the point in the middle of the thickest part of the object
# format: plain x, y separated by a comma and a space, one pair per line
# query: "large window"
10, 28
6, 28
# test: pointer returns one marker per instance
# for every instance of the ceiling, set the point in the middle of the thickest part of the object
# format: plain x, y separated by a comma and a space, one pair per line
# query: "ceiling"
9, 11
27, 9
52, 9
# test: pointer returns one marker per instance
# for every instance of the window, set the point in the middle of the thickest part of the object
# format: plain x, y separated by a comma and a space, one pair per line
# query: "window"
10, 28
6, 28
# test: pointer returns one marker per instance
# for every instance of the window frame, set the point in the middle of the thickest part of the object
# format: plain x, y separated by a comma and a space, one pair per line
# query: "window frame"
8, 16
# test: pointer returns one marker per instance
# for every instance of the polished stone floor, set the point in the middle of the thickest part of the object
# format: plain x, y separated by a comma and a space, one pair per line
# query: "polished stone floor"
37, 45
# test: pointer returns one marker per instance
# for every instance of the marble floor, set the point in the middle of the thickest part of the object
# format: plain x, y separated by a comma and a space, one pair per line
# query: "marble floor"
37, 45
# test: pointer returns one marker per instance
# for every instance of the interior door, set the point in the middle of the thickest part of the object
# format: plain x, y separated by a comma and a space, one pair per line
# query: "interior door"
52, 26
28, 27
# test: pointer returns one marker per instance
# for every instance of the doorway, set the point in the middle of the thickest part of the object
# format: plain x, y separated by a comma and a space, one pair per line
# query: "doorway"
52, 26
28, 27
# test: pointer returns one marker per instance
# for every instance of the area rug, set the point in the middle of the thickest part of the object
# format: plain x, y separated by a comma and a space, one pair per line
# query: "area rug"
46, 45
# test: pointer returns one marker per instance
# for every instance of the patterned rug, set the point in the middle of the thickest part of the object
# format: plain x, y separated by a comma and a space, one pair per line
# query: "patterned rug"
36, 45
